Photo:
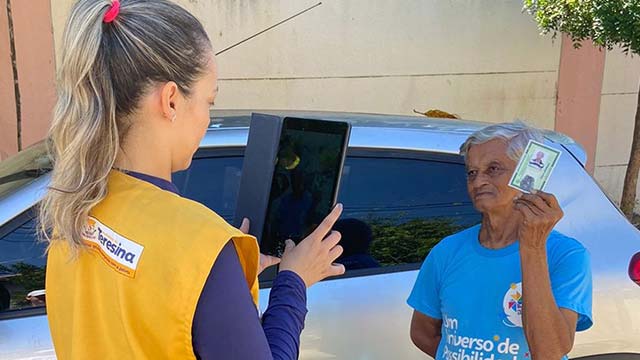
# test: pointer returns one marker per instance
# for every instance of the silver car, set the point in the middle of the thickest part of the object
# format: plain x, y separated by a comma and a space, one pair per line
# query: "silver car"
403, 185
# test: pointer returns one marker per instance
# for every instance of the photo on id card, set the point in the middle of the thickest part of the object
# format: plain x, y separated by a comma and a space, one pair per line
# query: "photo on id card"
535, 167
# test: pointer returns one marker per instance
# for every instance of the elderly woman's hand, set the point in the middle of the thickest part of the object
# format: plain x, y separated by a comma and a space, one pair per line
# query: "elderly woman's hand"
540, 213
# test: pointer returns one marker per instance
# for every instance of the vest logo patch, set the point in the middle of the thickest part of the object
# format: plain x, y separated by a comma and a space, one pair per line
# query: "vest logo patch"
120, 253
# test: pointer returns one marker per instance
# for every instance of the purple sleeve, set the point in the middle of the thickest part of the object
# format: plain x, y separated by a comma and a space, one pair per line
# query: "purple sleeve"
226, 324
283, 320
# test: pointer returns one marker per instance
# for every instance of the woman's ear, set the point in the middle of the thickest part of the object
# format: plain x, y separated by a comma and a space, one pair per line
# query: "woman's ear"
169, 97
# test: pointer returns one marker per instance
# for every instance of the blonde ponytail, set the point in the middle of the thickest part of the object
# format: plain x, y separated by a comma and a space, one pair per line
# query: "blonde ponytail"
105, 69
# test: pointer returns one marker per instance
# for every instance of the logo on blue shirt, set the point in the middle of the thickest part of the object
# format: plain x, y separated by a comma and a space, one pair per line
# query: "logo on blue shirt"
512, 305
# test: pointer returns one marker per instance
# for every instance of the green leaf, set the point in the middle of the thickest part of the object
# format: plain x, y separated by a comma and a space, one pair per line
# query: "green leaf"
608, 23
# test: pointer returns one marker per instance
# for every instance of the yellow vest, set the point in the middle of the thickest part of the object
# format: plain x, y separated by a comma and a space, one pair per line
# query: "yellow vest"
132, 293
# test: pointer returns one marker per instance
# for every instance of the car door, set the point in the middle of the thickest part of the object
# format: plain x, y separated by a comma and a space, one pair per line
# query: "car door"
397, 206
24, 331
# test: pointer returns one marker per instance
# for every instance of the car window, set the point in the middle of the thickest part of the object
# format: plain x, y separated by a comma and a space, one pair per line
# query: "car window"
23, 167
395, 208
212, 181
22, 265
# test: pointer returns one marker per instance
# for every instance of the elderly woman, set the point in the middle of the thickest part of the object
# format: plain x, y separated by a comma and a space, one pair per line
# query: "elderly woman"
510, 287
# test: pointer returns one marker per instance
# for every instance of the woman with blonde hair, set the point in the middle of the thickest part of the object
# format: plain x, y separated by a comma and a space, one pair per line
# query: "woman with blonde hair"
135, 271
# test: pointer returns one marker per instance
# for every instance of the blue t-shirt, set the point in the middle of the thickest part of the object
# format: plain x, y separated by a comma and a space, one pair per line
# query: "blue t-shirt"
477, 292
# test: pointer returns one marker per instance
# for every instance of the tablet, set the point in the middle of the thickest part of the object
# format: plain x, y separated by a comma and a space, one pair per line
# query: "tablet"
305, 181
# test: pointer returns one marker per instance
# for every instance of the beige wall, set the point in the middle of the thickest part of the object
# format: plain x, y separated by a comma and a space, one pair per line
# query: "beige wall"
484, 63
617, 111
59, 13
481, 62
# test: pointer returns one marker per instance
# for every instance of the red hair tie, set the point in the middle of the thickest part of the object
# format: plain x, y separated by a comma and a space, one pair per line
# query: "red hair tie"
113, 11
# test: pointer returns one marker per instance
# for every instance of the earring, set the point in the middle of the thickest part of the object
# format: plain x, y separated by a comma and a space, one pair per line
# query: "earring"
173, 118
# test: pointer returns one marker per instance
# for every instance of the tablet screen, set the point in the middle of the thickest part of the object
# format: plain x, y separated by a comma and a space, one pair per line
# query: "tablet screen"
305, 180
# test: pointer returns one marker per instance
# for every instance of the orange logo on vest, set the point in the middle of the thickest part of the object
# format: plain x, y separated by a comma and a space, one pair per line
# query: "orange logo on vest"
120, 253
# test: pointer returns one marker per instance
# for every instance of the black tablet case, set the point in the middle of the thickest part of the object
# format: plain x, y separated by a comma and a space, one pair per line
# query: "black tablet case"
257, 171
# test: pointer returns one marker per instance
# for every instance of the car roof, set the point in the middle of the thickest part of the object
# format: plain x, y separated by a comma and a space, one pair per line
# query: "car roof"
458, 129
221, 119
229, 128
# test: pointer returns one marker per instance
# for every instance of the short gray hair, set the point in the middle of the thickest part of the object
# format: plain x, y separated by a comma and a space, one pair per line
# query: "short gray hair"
517, 135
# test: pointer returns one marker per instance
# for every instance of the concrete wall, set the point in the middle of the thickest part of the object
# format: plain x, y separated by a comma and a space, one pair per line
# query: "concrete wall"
36, 67
25, 109
8, 116
481, 62
617, 112
578, 104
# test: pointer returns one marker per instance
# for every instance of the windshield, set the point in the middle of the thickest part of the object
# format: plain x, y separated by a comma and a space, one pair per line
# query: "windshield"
24, 167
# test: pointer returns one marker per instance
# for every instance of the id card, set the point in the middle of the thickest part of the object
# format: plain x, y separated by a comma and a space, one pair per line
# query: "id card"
535, 167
